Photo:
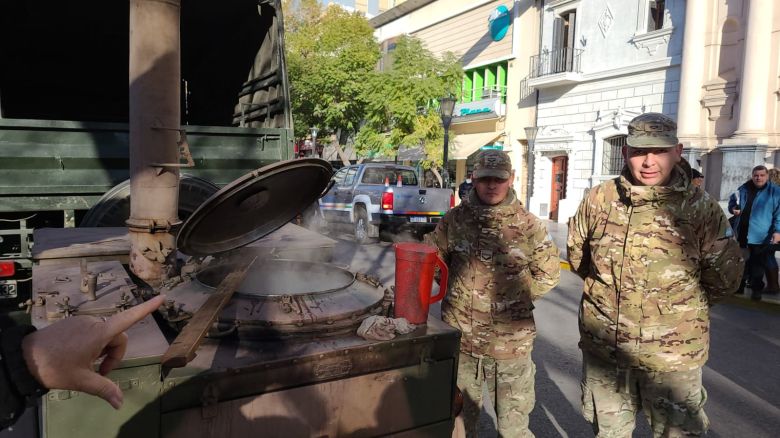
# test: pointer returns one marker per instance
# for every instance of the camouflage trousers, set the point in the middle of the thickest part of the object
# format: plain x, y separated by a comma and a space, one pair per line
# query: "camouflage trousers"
510, 384
673, 402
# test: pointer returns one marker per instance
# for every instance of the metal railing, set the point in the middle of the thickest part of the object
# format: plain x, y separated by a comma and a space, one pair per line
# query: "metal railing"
562, 60
612, 161
494, 91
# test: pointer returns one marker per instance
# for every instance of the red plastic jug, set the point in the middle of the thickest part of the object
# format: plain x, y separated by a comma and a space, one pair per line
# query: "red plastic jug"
414, 268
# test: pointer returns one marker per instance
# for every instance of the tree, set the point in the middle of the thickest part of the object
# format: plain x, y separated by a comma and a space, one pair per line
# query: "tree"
331, 60
402, 107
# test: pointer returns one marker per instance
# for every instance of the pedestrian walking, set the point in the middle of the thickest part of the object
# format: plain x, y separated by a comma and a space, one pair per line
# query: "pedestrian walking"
500, 260
772, 283
756, 207
465, 187
655, 253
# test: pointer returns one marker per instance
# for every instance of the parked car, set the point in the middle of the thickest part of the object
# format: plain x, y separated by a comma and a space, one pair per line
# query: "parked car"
374, 197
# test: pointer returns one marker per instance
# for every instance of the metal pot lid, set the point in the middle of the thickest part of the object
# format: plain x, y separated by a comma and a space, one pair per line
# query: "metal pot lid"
253, 206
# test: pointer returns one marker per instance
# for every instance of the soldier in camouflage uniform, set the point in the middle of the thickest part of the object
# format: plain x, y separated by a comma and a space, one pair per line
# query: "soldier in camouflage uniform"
500, 259
655, 252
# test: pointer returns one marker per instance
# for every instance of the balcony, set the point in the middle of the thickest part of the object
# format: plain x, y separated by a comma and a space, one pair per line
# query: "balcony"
487, 103
556, 67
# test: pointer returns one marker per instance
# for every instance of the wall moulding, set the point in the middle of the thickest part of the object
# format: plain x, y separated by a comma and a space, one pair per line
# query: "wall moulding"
606, 20
651, 41
560, 6
719, 98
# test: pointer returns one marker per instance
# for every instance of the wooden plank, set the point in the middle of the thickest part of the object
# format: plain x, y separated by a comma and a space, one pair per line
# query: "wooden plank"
183, 348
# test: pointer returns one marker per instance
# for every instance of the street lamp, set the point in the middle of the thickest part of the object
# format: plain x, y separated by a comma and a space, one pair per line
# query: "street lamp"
314, 131
530, 135
446, 107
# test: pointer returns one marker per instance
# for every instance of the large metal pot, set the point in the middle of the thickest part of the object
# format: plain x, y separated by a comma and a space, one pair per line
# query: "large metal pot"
284, 298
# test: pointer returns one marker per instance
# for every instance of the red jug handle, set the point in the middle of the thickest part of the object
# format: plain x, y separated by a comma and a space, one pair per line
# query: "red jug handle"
444, 274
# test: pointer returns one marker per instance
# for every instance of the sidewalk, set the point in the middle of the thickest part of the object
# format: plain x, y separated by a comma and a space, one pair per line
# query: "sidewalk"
558, 232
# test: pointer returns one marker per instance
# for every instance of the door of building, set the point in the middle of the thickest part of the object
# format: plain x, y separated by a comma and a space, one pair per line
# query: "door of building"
559, 166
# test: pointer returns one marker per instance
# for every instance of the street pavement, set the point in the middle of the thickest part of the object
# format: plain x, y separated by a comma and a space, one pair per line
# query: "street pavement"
742, 377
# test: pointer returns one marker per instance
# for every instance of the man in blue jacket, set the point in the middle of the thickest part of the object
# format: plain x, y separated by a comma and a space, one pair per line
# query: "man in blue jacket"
756, 206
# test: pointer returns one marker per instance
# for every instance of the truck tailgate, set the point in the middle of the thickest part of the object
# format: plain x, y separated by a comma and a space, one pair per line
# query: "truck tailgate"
416, 201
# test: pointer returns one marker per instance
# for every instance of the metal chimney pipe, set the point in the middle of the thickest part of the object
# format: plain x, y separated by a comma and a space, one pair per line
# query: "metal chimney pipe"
155, 72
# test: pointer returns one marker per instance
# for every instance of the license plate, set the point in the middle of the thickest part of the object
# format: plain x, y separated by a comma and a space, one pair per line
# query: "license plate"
7, 289
421, 219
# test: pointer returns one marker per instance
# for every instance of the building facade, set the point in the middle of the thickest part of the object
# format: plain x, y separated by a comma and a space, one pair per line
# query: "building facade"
494, 40
368, 7
729, 109
600, 63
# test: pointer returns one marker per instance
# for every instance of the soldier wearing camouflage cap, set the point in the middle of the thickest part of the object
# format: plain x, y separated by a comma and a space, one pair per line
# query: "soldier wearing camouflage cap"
655, 252
501, 259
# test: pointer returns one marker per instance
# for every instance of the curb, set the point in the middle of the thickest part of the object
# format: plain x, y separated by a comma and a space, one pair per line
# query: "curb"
746, 302
737, 300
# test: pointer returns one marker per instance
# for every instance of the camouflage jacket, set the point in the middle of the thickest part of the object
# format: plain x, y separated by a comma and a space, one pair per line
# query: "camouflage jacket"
654, 260
500, 259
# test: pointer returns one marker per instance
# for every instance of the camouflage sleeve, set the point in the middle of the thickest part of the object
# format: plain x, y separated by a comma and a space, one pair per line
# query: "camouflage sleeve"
546, 264
577, 246
438, 238
721, 263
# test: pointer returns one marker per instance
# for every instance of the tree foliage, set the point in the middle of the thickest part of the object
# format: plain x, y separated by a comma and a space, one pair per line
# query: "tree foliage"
332, 58
402, 105
331, 61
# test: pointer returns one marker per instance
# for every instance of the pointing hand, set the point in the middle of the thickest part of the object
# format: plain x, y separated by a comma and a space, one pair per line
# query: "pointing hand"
62, 355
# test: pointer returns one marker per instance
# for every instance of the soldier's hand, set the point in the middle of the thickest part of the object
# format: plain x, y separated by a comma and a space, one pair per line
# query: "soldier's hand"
736, 211
62, 355
775, 238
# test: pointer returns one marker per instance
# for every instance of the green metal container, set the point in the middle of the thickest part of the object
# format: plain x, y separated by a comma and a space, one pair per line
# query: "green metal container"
62, 165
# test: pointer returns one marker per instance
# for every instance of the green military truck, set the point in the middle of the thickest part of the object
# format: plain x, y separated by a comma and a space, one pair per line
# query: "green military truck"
64, 112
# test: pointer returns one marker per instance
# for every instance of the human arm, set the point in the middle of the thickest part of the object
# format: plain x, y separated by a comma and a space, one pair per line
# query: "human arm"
721, 260
545, 262
63, 355
775, 215
18, 389
577, 243
438, 238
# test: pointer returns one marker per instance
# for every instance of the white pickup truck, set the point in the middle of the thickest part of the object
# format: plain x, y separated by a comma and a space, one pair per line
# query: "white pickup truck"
373, 196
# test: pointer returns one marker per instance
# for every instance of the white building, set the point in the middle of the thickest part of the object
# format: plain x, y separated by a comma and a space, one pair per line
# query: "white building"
495, 40
600, 63
729, 112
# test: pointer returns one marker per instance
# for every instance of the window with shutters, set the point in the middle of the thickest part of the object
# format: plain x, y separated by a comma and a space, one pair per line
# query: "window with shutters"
563, 28
655, 14
563, 57
612, 163
654, 25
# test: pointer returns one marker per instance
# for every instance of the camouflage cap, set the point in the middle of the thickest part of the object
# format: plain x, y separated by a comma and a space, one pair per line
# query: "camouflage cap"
652, 130
493, 163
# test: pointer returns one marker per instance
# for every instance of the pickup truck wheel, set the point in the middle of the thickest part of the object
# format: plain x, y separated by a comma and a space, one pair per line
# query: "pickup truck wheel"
362, 226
